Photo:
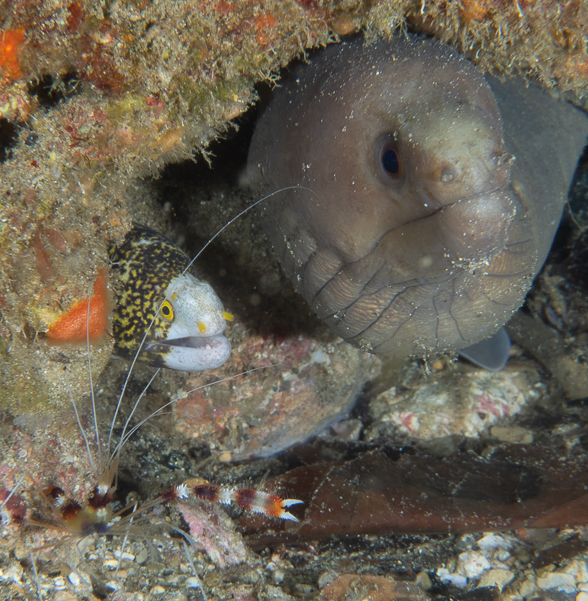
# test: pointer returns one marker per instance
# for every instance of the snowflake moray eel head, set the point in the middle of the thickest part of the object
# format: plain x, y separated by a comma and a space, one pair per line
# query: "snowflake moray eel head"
178, 319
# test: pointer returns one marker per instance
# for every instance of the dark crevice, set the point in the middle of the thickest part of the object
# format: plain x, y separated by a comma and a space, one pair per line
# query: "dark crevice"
8, 138
50, 90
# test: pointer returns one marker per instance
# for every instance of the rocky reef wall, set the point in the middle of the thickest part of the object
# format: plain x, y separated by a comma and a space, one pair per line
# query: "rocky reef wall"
94, 95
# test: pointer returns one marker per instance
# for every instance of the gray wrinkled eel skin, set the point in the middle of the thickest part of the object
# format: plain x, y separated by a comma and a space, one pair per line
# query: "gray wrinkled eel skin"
429, 196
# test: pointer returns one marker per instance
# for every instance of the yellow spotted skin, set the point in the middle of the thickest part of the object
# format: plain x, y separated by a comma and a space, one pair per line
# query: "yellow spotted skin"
143, 265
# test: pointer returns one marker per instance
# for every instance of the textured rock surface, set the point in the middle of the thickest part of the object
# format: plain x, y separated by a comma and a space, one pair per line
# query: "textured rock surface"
94, 96
313, 385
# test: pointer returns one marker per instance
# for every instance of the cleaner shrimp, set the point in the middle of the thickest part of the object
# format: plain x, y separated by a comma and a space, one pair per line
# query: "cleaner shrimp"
58, 529
87, 519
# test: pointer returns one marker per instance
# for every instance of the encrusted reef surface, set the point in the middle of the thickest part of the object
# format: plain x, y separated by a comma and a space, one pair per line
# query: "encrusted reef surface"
96, 99
94, 95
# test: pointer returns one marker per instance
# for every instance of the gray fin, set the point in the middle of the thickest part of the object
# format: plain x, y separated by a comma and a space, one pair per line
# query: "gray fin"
491, 353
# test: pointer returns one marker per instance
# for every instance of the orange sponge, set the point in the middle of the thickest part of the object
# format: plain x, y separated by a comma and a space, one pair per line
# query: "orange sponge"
73, 326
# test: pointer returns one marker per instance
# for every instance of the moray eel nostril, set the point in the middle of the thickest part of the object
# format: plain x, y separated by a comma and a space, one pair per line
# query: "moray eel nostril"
413, 230
178, 319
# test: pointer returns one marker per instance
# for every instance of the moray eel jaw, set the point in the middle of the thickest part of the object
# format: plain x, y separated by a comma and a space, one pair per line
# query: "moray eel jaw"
192, 353
194, 341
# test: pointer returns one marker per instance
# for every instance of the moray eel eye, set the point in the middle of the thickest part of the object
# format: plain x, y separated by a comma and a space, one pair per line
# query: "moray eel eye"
389, 159
167, 311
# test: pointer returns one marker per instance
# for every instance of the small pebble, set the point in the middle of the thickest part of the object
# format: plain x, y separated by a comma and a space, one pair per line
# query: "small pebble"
86, 545
528, 587
64, 596
582, 596
74, 579
473, 563
456, 579
502, 555
303, 589
512, 434
465, 542
424, 581
157, 590
497, 577
494, 541
558, 581
111, 563
193, 582
578, 569
278, 575
14, 573
142, 557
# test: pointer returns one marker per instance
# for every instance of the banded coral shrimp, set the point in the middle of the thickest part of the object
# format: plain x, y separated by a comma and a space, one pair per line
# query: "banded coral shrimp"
74, 542
53, 548
70, 460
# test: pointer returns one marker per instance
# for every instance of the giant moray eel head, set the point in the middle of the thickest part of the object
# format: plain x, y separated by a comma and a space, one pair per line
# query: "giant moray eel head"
413, 229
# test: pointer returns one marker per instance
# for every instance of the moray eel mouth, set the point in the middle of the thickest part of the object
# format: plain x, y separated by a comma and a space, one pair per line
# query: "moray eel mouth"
195, 342
189, 352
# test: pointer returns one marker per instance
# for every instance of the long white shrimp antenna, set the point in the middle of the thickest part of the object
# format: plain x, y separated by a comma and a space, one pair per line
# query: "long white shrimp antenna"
92, 396
196, 579
80, 426
126, 435
93, 399
251, 206
123, 437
